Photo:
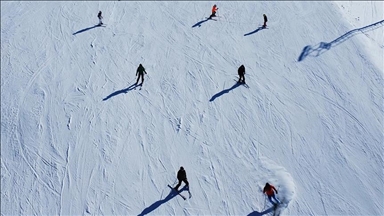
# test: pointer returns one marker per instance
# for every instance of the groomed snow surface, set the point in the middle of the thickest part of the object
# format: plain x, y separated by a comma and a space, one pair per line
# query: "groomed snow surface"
78, 139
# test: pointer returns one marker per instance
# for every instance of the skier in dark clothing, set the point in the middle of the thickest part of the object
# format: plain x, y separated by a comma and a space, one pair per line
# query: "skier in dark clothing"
270, 191
265, 20
100, 18
241, 72
182, 177
140, 71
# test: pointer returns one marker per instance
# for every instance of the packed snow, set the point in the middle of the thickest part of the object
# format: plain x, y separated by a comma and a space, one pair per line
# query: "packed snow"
78, 138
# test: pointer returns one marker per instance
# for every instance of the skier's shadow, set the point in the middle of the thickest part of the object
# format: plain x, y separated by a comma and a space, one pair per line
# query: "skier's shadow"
86, 29
256, 213
157, 204
322, 47
255, 31
199, 23
224, 91
126, 90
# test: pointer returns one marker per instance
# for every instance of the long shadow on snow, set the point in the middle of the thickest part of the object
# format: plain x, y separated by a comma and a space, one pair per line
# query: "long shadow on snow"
157, 204
258, 29
120, 91
256, 213
323, 46
224, 91
86, 29
199, 23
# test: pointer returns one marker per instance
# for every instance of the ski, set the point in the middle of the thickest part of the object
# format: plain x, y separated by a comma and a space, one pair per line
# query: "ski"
140, 85
243, 84
278, 208
210, 19
178, 192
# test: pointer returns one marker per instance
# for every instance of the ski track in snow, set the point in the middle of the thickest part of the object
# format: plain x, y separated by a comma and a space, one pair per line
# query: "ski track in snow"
301, 126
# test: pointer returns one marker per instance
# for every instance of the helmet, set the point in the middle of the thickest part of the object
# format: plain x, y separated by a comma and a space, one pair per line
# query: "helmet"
181, 168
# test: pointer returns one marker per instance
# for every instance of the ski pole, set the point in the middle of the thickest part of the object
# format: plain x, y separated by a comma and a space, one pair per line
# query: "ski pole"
265, 200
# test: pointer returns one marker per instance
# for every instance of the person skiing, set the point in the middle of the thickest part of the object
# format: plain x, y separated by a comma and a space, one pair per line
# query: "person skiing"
214, 9
140, 71
265, 20
182, 177
241, 72
269, 190
100, 18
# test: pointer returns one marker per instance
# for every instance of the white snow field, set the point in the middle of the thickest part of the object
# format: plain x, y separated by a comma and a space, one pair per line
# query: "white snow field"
78, 139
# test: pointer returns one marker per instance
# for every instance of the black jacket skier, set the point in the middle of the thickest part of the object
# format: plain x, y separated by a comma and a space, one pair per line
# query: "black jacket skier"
182, 177
140, 71
100, 18
265, 20
241, 72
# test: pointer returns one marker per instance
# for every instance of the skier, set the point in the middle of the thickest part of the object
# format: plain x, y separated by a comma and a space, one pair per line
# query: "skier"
140, 71
270, 191
182, 177
241, 72
265, 21
214, 9
100, 18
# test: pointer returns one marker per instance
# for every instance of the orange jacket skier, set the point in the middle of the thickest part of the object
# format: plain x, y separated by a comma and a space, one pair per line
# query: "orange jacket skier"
214, 9
270, 191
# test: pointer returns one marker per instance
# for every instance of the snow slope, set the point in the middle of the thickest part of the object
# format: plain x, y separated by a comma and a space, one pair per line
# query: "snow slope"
77, 138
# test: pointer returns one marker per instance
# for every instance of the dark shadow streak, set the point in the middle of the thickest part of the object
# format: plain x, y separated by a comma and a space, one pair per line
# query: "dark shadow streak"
86, 29
322, 47
199, 23
120, 91
224, 91
258, 29
157, 204
256, 213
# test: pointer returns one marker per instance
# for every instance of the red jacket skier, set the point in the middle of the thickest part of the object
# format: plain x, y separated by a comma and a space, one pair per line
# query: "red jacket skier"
214, 9
270, 191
